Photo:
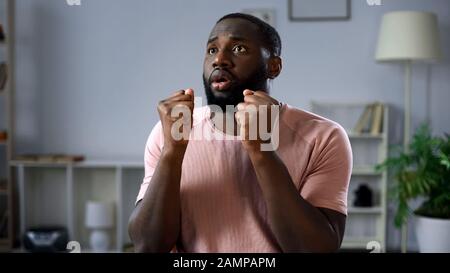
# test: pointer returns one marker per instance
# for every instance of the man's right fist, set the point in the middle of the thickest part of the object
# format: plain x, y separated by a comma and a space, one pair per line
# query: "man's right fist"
175, 113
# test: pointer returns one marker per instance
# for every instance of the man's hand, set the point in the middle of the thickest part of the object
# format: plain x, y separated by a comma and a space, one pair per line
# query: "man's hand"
175, 113
154, 225
253, 113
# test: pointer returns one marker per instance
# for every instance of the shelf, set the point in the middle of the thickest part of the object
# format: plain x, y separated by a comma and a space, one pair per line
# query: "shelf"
368, 210
82, 164
334, 104
351, 242
6, 131
88, 250
110, 164
365, 170
17, 163
115, 181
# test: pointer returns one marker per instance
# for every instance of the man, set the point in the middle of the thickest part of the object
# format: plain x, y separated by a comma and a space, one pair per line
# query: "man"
228, 195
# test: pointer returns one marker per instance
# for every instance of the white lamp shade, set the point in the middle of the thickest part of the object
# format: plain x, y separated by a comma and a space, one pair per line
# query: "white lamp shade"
99, 215
408, 35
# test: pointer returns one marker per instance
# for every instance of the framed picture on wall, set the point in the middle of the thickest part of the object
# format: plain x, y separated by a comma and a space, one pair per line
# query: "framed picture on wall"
319, 10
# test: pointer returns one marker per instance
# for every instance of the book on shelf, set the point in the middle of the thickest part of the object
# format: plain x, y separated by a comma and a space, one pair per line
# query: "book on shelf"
377, 121
3, 223
3, 136
3, 185
2, 34
363, 124
371, 120
3, 75
49, 158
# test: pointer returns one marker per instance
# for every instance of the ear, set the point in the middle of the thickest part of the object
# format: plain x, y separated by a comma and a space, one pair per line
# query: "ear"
275, 65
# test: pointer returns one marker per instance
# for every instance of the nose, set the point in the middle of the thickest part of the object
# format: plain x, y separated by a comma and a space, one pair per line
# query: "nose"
222, 60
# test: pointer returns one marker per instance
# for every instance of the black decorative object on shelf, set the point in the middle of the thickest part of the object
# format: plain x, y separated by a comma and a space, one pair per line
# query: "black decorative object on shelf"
363, 196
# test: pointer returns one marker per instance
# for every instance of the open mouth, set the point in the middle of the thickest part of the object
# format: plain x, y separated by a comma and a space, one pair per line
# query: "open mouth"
220, 80
221, 84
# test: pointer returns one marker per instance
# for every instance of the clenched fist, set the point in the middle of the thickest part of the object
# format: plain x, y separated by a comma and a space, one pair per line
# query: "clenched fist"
175, 113
257, 118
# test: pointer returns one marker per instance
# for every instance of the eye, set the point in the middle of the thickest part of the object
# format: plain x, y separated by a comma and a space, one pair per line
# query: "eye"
239, 49
212, 50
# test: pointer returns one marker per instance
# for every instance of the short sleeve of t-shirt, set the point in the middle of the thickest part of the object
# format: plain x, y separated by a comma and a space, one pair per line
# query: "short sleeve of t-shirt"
327, 181
152, 153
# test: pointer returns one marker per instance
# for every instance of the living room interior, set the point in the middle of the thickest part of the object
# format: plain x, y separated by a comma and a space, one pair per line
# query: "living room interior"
80, 81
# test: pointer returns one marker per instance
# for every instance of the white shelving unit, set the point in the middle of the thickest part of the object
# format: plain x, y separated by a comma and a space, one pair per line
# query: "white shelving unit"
364, 224
64, 189
6, 124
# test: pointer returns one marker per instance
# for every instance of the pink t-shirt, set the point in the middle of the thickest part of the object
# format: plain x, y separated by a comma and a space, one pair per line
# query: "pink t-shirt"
222, 206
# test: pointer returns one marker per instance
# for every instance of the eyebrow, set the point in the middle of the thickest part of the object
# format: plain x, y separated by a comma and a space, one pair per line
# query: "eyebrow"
236, 38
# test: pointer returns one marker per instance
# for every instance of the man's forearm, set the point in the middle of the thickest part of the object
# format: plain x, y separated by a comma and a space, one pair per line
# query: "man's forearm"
155, 225
297, 225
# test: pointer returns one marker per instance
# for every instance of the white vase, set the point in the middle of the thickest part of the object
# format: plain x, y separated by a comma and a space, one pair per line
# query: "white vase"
433, 235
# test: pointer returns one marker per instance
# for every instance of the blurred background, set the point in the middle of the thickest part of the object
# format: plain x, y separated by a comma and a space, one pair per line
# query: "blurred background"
82, 80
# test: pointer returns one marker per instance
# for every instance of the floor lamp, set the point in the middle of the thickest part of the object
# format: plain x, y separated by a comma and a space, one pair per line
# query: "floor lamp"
405, 37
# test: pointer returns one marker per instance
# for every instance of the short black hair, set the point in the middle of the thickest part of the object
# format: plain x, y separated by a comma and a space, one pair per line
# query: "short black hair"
270, 36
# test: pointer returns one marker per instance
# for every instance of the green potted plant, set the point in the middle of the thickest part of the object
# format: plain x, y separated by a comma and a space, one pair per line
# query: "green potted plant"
424, 172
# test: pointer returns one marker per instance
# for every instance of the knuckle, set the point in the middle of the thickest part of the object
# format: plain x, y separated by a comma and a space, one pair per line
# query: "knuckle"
166, 111
162, 104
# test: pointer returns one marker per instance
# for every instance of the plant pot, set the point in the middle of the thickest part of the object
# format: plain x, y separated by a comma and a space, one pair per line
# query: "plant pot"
433, 234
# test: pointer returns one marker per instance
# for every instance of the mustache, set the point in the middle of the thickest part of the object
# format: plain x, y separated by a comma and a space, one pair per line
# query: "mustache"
218, 69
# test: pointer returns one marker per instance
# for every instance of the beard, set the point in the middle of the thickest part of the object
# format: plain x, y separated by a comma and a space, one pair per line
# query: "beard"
234, 94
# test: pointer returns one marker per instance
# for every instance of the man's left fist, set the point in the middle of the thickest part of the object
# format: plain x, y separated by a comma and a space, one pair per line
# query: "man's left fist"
257, 118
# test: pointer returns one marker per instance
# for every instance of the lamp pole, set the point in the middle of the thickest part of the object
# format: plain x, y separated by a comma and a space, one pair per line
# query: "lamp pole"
407, 97
406, 140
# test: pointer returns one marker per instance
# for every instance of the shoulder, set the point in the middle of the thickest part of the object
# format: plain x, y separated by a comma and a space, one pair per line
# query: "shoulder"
311, 127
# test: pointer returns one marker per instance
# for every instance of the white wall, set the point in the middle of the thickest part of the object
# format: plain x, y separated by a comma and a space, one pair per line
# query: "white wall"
89, 77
